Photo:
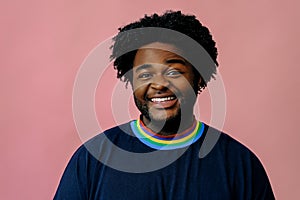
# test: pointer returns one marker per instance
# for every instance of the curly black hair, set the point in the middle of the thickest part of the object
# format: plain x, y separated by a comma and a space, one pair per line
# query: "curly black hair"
126, 43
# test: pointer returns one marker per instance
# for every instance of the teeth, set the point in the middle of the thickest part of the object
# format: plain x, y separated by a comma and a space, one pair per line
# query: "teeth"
162, 99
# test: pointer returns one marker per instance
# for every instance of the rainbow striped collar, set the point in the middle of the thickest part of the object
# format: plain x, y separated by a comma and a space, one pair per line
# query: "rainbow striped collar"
160, 142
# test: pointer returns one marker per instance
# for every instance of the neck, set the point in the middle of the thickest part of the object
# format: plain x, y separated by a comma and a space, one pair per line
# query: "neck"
169, 127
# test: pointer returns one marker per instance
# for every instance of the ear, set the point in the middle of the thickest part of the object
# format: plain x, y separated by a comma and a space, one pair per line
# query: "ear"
199, 82
199, 85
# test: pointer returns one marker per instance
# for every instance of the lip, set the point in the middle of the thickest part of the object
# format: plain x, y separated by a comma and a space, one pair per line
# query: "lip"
162, 102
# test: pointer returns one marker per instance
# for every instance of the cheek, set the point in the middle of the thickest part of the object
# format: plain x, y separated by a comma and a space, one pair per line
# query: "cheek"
136, 84
139, 92
139, 88
185, 84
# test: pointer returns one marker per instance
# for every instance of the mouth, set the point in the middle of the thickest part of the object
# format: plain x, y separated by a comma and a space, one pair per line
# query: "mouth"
162, 99
163, 102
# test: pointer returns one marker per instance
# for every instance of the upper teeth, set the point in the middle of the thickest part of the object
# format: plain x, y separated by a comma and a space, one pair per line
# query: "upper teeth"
162, 99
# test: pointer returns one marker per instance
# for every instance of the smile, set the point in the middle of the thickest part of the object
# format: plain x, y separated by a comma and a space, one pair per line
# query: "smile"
162, 99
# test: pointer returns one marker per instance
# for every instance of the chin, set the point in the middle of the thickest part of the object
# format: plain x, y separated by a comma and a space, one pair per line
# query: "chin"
165, 117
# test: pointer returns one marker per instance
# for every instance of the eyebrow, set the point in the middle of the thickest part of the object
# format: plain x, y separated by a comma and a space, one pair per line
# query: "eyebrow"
144, 66
175, 60
169, 61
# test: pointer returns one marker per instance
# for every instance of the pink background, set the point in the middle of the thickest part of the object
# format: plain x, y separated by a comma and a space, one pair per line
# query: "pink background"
43, 44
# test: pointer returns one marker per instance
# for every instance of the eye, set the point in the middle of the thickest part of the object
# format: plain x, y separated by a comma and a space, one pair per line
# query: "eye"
173, 73
144, 75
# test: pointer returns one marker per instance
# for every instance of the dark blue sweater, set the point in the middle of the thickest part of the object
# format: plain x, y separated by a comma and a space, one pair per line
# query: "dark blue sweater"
229, 171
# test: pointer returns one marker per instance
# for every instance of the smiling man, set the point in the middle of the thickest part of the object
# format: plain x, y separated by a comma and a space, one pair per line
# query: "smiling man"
163, 85
156, 156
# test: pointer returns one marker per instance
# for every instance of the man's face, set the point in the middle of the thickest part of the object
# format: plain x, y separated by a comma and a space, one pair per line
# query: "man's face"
162, 84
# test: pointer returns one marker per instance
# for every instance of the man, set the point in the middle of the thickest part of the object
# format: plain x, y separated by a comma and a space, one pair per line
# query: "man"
166, 75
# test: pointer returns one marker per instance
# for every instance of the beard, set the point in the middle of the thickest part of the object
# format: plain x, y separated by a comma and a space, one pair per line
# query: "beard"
170, 123
146, 112
174, 122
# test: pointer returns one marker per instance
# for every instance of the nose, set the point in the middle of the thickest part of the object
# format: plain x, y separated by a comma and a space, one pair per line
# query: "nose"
159, 82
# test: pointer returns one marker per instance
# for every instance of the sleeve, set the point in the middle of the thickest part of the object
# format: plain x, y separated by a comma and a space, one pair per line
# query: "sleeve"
74, 183
261, 186
250, 180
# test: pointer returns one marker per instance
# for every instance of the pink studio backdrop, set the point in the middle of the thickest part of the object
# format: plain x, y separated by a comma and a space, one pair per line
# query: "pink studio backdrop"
43, 44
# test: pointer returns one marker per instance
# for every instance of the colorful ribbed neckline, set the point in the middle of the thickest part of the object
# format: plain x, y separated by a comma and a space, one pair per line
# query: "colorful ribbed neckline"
161, 142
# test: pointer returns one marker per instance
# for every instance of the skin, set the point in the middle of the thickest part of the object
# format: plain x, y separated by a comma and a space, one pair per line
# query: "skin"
163, 85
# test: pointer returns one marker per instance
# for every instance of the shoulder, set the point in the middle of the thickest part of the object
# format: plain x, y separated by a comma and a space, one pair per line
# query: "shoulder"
242, 166
227, 151
112, 133
104, 140
217, 141
84, 166
112, 142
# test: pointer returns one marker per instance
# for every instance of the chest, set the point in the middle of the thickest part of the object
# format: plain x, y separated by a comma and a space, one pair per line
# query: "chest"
186, 178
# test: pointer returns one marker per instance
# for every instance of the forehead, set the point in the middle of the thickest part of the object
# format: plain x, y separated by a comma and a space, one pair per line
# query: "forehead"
162, 46
156, 52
